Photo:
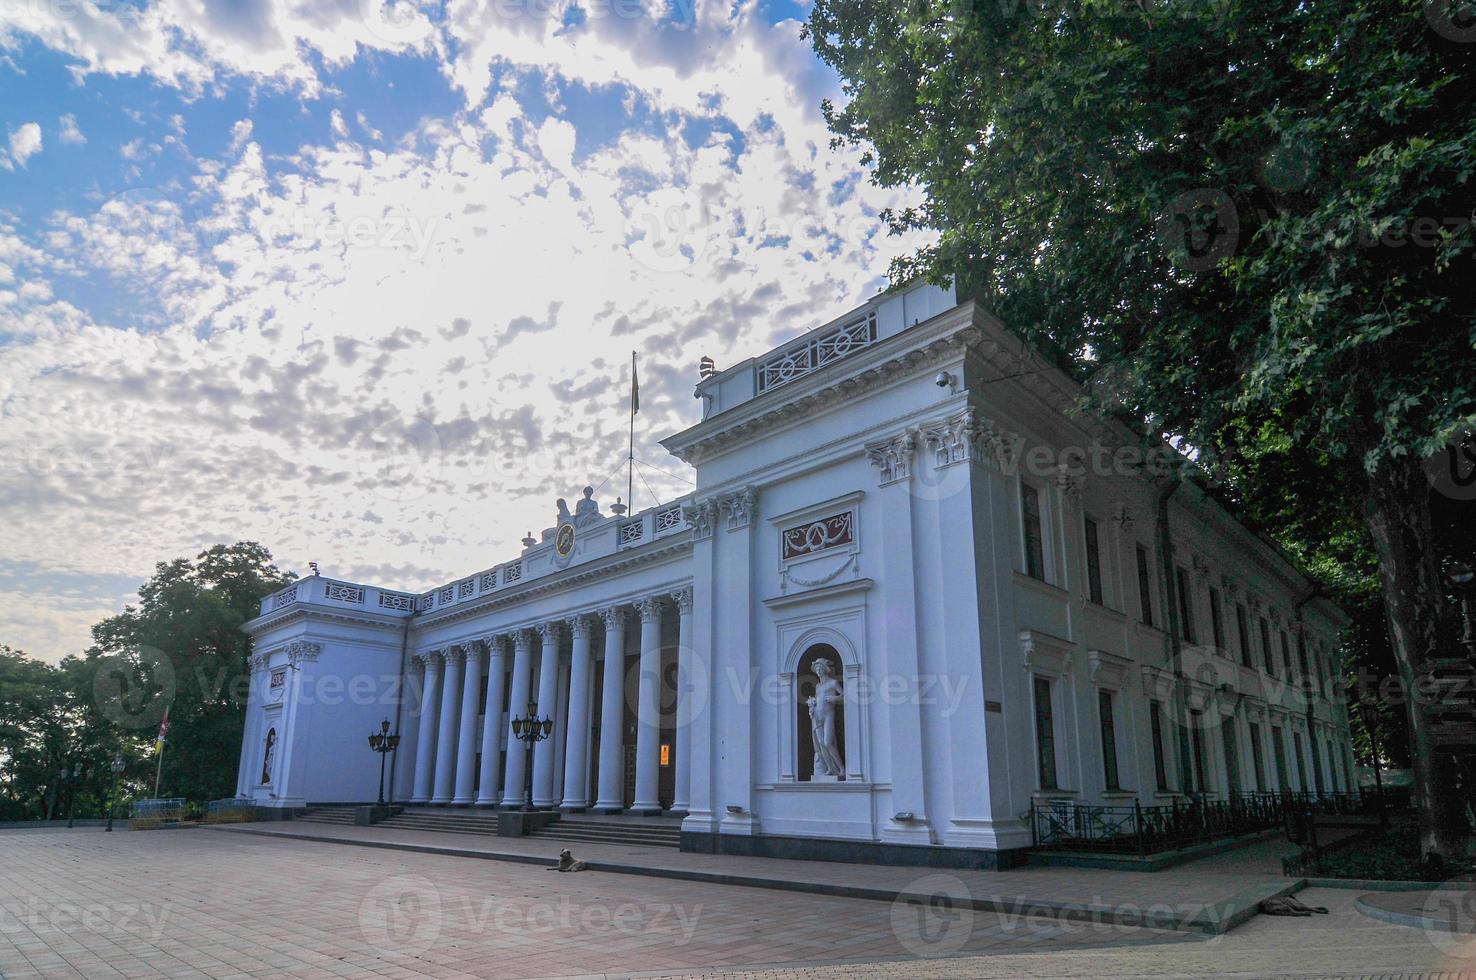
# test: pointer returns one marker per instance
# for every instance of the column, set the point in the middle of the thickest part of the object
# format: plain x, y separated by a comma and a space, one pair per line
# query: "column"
446, 739
648, 710
466, 741
516, 770
248, 731
612, 714
576, 737
548, 699
686, 706
492, 722
425, 746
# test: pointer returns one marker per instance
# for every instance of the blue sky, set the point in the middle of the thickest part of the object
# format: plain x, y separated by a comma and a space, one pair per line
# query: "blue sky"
360, 280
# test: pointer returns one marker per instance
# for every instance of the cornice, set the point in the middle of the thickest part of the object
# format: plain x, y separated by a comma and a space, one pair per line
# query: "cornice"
665, 549
316, 612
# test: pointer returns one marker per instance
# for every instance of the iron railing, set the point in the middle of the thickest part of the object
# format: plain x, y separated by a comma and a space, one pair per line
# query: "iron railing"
1138, 829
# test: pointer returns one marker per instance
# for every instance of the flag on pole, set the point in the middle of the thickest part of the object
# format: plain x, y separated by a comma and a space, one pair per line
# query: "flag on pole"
163, 729
635, 386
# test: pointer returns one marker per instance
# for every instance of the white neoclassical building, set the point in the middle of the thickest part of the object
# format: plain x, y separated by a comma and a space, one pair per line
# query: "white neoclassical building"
915, 592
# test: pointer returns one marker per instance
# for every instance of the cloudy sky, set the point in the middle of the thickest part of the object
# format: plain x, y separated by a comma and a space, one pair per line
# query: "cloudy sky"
360, 281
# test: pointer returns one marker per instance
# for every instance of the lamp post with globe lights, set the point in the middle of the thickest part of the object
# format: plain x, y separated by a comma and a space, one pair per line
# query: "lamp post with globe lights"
117, 767
530, 730
384, 743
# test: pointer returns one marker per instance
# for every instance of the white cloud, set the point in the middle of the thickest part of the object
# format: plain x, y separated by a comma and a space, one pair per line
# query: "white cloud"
339, 127
68, 132
25, 142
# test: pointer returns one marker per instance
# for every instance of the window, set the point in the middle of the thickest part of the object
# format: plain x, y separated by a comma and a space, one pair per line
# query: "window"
1232, 753
1316, 762
1034, 548
1045, 734
1257, 763
1094, 563
1155, 722
1301, 763
1243, 634
1145, 595
1217, 624
1301, 657
1278, 753
1109, 740
1266, 647
1196, 723
1186, 606
1286, 657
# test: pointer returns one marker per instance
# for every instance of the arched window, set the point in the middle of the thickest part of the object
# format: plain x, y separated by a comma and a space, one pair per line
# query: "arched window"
826, 718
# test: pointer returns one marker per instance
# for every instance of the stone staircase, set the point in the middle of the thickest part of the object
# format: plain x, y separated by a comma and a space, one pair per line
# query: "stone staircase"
458, 821
612, 831
342, 815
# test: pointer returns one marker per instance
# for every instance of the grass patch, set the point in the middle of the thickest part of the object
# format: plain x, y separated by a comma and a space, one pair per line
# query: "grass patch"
1392, 855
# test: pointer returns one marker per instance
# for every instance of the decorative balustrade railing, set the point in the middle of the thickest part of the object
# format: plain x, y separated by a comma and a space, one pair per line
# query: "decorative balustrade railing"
813, 353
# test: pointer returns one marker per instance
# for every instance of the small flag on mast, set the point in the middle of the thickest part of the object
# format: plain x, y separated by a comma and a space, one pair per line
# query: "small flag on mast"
163, 729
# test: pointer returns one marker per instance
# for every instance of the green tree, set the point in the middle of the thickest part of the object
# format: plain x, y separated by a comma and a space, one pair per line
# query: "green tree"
1245, 214
181, 647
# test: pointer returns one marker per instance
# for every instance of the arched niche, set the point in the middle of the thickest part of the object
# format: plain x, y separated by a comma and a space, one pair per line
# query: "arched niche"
806, 679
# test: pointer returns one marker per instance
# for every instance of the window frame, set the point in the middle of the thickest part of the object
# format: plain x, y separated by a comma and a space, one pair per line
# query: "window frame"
1092, 537
1107, 732
1145, 586
1187, 632
1160, 757
1043, 694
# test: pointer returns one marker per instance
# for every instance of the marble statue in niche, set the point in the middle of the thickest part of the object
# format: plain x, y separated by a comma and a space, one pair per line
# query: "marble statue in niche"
266, 757
826, 706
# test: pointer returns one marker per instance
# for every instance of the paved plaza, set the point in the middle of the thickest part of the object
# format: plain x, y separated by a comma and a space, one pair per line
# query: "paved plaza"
199, 902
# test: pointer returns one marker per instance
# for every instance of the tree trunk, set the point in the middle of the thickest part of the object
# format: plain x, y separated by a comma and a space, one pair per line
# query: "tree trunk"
1421, 629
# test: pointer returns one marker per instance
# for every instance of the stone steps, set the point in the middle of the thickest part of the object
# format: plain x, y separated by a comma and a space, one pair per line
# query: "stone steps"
327, 814
457, 823
611, 832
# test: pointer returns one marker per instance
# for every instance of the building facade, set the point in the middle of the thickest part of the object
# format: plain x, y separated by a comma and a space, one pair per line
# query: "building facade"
915, 592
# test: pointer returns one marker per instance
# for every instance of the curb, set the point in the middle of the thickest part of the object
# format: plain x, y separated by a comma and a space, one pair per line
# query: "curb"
1404, 918
1208, 920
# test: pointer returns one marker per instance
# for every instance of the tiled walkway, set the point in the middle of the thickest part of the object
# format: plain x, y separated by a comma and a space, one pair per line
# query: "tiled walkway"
1205, 887
200, 903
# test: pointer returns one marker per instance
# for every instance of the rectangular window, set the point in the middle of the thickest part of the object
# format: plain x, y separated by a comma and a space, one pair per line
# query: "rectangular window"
1217, 624
1034, 546
1045, 734
1266, 647
1232, 753
1160, 768
1301, 656
1316, 762
1145, 594
1109, 740
1243, 634
1196, 723
1186, 606
1257, 762
1278, 753
1286, 657
1094, 563
1301, 762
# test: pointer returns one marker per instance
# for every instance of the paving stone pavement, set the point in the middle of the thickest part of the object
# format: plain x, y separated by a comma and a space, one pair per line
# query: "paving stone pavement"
1208, 886
191, 902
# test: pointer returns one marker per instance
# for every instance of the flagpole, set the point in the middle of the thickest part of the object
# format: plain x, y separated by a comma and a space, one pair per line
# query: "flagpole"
158, 770
630, 458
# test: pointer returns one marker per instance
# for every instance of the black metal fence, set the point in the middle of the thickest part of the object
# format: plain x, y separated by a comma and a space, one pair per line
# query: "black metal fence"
1138, 829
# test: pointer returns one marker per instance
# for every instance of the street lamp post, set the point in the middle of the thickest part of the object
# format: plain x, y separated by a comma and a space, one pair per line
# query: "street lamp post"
113, 796
384, 743
530, 730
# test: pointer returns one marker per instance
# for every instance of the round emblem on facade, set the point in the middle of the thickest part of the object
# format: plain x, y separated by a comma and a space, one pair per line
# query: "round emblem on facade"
564, 540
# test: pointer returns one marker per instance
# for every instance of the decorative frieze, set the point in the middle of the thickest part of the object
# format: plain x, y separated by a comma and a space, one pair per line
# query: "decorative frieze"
301, 651
343, 592
835, 531
397, 602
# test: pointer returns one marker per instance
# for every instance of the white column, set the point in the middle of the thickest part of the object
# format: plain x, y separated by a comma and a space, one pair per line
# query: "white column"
548, 703
249, 729
516, 770
576, 737
648, 710
687, 702
612, 714
492, 720
446, 741
425, 746
466, 742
